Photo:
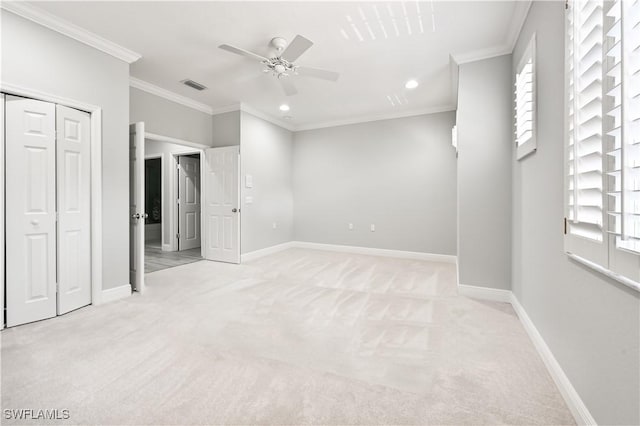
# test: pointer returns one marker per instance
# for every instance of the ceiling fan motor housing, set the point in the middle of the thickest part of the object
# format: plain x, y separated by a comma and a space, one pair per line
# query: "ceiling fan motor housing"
278, 43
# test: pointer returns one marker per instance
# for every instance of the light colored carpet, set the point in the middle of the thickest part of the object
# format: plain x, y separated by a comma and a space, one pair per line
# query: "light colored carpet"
298, 337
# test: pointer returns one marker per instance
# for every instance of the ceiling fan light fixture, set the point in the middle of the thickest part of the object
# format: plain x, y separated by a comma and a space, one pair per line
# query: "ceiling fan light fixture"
284, 108
411, 84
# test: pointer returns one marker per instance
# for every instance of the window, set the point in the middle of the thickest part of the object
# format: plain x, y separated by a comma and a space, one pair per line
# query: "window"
603, 136
525, 102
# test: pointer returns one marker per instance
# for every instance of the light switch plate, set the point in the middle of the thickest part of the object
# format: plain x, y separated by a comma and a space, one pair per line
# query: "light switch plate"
248, 200
248, 181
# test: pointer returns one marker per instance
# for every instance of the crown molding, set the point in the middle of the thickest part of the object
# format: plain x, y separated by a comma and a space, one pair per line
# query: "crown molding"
517, 22
479, 55
249, 109
225, 109
376, 117
171, 96
55, 23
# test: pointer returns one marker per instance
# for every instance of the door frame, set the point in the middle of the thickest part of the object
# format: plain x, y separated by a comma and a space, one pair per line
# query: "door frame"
173, 191
198, 148
95, 153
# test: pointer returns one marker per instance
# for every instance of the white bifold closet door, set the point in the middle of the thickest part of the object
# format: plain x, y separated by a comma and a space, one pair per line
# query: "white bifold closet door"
74, 209
42, 251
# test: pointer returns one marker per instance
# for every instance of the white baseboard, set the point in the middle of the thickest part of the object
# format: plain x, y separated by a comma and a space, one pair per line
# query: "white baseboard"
485, 293
445, 258
116, 293
252, 255
577, 407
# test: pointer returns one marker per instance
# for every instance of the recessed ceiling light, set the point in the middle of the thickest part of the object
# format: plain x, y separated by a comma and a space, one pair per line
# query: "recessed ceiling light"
411, 84
284, 107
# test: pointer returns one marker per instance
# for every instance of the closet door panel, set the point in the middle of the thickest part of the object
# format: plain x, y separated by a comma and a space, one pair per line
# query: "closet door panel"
30, 210
74, 209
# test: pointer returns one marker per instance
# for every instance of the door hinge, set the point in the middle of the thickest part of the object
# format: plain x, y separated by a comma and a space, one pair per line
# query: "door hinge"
178, 236
178, 200
565, 226
566, 4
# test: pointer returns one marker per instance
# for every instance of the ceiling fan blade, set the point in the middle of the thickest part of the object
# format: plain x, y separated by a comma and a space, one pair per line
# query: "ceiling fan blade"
242, 52
318, 73
287, 86
297, 47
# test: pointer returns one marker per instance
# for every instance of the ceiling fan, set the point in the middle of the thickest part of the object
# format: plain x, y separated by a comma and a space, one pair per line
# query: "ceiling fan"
281, 65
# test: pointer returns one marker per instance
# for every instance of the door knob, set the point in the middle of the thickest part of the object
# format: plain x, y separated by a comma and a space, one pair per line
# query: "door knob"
135, 216
35, 222
234, 210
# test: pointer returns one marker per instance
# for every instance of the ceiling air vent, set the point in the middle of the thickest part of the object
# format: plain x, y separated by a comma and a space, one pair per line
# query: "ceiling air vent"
193, 84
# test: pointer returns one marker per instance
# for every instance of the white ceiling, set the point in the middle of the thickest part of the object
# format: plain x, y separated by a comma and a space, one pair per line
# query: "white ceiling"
178, 40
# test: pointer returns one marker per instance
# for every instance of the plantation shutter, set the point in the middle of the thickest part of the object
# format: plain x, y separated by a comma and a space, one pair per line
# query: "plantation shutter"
525, 102
585, 154
622, 123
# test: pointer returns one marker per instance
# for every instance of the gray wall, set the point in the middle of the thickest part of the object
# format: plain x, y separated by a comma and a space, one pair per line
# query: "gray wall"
164, 117
484, 173
40, 59
397, 174
591, 324
226, 129
265, 154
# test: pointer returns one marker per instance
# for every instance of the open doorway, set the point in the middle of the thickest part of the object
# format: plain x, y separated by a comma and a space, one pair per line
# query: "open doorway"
216, 184
173, 207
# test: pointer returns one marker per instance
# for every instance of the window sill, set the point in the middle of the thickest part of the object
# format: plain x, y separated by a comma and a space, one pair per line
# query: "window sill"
623, 280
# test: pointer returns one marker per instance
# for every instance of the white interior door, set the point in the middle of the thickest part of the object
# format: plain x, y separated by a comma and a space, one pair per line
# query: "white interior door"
31, 216
74, 208
222, 201
188, 202
136, 206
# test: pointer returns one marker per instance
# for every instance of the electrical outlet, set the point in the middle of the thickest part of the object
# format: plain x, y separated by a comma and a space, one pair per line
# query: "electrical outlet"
373, 227
351, 227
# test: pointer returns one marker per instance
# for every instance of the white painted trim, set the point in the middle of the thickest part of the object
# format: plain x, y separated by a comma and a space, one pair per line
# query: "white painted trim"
252, 255
2, 223
517, 22
577, 407
225, 109
485, 293
168, 139
479, 55
634, 285
171, 96
174, 217
376, 117
249, 109
96, 174
117, 293
96, 207
55, 23
445, 258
